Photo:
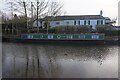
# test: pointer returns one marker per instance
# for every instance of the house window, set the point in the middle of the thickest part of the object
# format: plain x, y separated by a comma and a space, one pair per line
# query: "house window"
67, 23
97, 22
89, 22
84, 22
74, 22
57, 23
101, 22
78, 22
37, 23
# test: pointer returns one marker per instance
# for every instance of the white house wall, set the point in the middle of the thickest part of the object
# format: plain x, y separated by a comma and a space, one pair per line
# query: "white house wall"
61, 23
71, 22
81, 22
93, 23
103, 22
35, 24
53, 23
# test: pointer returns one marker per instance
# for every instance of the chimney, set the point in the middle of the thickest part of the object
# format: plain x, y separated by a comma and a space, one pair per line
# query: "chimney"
101, 12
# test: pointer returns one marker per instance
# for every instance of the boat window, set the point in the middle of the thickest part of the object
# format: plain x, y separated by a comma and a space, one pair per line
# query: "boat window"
95, 37
50, 36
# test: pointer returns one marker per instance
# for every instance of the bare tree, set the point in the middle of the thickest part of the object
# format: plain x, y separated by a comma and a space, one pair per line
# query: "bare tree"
21, 7
41, 7
35, 9
55, 9
24, 6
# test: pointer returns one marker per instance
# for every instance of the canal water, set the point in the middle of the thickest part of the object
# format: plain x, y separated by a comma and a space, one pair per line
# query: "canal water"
59, 61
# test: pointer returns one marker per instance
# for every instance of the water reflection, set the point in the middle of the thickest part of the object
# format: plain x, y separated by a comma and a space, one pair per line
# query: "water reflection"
59, 61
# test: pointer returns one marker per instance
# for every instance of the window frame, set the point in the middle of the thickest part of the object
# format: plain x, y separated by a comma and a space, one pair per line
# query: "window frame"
74, 22
98, 22
85, 22
88, 22
101, 22
78, 22
57, 23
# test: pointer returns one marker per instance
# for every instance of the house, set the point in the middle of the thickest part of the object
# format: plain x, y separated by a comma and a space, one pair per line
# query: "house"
116, 28
77, 20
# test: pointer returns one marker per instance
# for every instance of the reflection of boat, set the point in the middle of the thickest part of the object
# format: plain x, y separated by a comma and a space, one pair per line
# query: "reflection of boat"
91, 37
116, 39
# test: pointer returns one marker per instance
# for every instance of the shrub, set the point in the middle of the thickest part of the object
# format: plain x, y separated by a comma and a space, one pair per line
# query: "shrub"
72, 29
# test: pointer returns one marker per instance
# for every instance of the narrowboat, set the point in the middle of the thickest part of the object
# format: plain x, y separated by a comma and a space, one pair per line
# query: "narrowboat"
91, 37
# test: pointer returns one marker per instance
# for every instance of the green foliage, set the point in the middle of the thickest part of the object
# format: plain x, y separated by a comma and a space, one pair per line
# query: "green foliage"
46, 25
52, 30
71, 29
107, 30
18, 24
83, 29
103, 27
110, 32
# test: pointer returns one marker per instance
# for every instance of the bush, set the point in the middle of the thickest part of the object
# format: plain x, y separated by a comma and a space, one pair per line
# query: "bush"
107, 30
71, 29
83, 29
110, 32
103, 27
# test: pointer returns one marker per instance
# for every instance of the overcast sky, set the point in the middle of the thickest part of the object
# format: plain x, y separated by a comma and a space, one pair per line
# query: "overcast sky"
88, 7
91, 7
85, 7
